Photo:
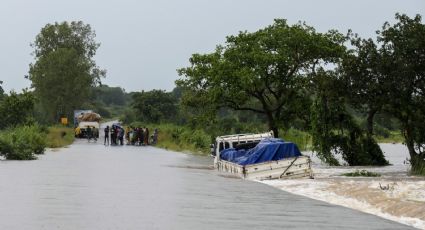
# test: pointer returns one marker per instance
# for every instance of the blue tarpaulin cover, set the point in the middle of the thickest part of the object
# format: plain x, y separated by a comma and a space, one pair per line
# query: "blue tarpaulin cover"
271, 149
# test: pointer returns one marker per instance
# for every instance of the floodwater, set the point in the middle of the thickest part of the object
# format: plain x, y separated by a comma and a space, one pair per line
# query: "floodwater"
90, 186
395, 195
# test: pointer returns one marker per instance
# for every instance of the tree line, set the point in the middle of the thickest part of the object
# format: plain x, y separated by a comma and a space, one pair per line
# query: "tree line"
293, 76
286, 76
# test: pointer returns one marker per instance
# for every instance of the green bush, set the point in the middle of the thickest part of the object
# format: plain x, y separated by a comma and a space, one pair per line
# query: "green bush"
300, 138
22, 143
198, 138
185, 138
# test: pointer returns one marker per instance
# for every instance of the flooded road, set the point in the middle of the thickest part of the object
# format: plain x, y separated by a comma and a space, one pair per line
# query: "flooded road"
90, 186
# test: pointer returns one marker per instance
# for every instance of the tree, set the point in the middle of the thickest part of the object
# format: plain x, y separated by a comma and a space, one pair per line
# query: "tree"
261, 72
334, 130
366, 85
109, 95
64, 70
403, 51
155, 106
16, 109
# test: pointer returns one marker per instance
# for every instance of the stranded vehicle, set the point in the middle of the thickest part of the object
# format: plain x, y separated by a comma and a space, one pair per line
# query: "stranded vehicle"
259, 157
84, 119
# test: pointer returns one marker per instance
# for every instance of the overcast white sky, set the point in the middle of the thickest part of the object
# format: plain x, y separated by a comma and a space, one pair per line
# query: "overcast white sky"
144, 42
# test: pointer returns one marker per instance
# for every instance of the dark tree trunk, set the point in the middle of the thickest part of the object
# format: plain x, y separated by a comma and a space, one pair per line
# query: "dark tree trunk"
417, 160
369, 124
272, 125
275, 131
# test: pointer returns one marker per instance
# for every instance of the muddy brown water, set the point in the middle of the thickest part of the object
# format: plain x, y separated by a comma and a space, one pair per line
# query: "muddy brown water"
90, 186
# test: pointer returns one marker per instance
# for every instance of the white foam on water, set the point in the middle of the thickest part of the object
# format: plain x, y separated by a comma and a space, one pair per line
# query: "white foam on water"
396, 183
319, 190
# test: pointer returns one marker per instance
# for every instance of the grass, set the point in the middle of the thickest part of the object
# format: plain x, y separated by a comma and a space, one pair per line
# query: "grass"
182, 139
59, 136
179, 147
393, 137
362, 173
179, 138
302, 139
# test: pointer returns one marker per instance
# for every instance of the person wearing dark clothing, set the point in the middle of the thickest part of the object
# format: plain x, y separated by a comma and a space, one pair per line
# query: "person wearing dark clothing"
113, 135
89, 133
116, 133
140, 136
146, 136
106, 142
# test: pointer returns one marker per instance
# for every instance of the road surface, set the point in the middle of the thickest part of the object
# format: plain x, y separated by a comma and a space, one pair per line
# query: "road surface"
90, 186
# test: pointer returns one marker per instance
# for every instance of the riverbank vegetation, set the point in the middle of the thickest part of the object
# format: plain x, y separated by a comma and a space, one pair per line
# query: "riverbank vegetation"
22, 142
59, 136
180, 138
20, 137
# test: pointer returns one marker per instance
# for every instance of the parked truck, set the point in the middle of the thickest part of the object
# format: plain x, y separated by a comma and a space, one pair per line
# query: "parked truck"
83, 119
259, 157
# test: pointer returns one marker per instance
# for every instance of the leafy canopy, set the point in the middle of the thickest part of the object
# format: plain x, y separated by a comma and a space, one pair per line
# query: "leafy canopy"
403, 51
261, 72
64, 69
155, 106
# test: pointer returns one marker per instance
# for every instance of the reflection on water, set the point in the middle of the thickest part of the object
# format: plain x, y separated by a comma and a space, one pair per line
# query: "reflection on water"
90, 186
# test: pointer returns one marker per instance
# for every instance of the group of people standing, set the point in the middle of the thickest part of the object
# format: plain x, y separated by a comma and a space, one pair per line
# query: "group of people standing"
133, 135
116, 134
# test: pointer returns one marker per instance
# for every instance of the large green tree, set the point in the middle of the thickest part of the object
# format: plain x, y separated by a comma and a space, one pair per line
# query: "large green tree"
261, 72
403, 51
64, 70
155, 106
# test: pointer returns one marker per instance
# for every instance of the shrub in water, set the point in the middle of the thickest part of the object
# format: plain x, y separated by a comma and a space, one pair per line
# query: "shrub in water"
362, 173
21, 143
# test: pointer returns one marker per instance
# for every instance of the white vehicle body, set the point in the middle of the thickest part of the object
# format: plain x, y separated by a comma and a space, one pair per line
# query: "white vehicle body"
85, 124
285, 168
81, 130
